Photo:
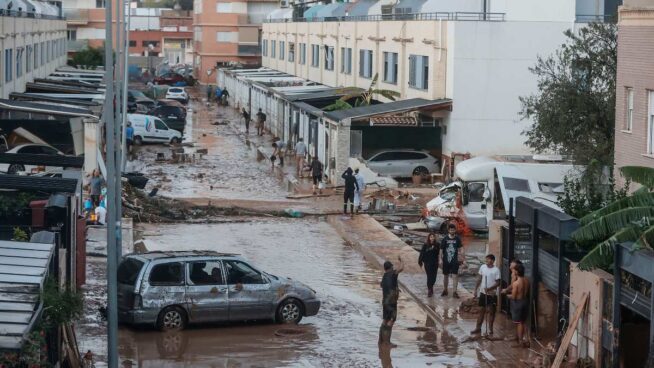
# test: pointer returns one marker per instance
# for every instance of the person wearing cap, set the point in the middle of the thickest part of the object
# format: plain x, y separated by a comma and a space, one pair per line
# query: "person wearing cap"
390, 295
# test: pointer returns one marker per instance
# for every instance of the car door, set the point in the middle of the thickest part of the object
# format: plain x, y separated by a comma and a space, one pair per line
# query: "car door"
250, 293
474, 204
161, 130
206, 291
165, 286
381, 163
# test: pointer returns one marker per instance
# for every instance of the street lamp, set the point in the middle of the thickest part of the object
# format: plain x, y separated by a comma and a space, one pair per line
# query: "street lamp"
150, 48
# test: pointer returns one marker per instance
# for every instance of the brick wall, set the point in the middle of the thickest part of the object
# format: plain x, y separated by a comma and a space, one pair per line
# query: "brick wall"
635, 70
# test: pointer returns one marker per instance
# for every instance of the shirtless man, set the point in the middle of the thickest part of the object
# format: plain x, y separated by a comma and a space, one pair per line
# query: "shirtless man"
518, 295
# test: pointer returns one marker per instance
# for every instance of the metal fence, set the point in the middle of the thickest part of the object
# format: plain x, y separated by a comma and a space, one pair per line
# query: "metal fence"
596, 18
24, 14
462, 16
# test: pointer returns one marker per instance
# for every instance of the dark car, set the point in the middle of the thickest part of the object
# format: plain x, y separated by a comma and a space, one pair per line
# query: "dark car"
138, 102
168, 78
169, 102
173, 116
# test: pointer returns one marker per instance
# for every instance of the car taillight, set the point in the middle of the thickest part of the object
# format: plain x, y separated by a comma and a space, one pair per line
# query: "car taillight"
138, 302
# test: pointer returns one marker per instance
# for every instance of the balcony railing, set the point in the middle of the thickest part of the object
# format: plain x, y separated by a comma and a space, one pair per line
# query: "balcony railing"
24, 14
76, 15
596, 18
77, 45
249, 50
464, 16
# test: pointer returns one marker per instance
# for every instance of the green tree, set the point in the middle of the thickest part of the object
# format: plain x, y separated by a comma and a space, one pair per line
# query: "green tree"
629, 219
573, 112
362, 97
88, 58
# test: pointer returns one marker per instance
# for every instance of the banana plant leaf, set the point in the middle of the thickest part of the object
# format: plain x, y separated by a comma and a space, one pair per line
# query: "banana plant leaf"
605, 226
640, 199
639, 174
601, 255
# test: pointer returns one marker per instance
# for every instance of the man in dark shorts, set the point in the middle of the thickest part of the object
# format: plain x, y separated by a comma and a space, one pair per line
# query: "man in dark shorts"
261, 120
351, 185
390, 294
517, 292
450, 246
489, 280
316, 174
246, 117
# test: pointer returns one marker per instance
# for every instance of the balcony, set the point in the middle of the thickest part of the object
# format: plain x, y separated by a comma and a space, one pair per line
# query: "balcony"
76, 16
452, 16
249, 50
77, 45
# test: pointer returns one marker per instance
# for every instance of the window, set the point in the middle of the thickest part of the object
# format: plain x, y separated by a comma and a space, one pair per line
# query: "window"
303, 53
129, 270
206, 273
158, 124
167, 274
19, 63
231, 37
47, 52
9, 65
291, 52
71, 34
241, 273
386, 156
365, 63
273, 46
390, 67
650, 122
346, 60
282, 46
475, 192
28, 59
520, 185
99, 4
264, 47
329, 58
148, 43
43, 53
418, 71
132, 43
630, 110
315, 56
36, 55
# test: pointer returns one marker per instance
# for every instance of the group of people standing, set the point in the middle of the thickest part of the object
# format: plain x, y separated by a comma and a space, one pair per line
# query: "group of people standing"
448, 254
261, 118
355, 186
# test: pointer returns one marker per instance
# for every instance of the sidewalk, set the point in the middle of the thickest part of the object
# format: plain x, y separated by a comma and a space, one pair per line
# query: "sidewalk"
377, 244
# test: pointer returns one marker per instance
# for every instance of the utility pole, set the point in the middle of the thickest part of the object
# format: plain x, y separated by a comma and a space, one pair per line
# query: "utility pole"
112, 260
128, 15
117, 204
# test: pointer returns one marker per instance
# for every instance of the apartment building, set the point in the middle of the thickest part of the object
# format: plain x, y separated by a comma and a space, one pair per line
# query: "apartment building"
227, 32
634, 112
477, 57
32, 45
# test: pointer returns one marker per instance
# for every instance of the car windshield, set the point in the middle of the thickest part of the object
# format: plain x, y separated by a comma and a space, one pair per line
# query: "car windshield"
176, 90
138, 94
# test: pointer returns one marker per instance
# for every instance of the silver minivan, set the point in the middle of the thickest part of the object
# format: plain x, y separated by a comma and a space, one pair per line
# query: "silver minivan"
170, 290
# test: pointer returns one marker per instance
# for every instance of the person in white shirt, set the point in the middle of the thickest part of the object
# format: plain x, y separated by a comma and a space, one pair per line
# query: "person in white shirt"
358, 194
489, 280
300, 153
100, 215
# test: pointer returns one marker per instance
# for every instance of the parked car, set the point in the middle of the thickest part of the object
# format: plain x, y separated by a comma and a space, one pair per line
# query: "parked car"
173, 116
138, 101
149, 128
168, 78
32, 148
206, 286
168, 102
177, 93
403, 163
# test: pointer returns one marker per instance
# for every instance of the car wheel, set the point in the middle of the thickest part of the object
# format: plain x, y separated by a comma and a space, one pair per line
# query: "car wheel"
138, 140
174, 140
15, 168
420, 171
289, 311
171, 319
443, 228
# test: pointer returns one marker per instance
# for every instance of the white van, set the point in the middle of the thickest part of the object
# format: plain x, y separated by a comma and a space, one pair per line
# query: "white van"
149, 128
486, 185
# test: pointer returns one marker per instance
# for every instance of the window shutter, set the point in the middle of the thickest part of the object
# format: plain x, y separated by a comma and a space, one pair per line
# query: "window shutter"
361, 62
412, 70
425, 73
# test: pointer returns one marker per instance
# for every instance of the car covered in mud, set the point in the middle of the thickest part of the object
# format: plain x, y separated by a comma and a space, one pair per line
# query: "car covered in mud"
170, 290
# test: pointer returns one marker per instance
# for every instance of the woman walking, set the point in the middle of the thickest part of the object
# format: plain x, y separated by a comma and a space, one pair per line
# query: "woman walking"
429, 258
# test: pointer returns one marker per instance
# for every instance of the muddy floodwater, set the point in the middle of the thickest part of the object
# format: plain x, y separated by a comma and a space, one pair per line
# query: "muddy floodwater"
343, 334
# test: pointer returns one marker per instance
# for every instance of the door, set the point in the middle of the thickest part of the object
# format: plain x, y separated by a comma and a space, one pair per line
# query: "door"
161, 130
356, 143
474, 204
382, 163
250, 294
165, 286
206, 292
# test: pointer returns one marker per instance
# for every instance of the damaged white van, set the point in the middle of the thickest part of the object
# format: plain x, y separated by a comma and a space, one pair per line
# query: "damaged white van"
485, 185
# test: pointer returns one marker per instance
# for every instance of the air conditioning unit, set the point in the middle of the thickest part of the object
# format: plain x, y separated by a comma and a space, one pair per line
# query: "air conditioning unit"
284, 3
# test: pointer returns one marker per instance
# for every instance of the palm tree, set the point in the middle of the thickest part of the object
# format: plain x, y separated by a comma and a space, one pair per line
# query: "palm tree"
630, 219
362, 97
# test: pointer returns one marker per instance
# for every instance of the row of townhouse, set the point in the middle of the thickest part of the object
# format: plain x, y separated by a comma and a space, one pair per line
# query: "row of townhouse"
30, 47
478, 60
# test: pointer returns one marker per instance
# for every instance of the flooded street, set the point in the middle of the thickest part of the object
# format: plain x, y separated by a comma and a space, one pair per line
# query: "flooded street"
345, 331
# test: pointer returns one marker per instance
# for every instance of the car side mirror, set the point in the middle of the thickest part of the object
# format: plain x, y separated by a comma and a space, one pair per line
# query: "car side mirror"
487, 196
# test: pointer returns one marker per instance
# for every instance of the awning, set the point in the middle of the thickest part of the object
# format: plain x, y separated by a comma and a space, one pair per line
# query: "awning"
45, 109
46, 98
394, 121
23, 269
42, 184
413, 104
40, 159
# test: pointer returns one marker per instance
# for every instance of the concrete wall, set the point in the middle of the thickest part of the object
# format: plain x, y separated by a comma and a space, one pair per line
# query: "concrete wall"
18, 33
487, 71
635, 53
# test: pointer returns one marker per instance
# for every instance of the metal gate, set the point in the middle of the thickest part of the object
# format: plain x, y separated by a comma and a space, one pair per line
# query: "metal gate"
356, 143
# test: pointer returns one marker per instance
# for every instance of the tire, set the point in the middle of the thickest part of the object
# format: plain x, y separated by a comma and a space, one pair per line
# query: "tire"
15, 168
174, 140
289, 311
421, 170
138, 140
443, 229
171, 319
